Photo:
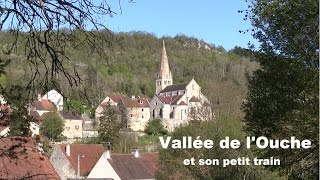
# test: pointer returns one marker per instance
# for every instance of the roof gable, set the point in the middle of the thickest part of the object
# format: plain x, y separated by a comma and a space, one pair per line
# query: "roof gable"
90, 154
129, 167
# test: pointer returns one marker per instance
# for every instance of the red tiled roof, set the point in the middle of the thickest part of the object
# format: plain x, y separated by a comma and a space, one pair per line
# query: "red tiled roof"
170, 99
70, 115
129, 167
90, 154
136, 102
117, 97
44, 104
21, 160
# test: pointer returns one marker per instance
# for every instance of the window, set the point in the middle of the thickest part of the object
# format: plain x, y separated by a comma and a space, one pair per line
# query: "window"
142, 117
76, 127
165, 82
67, 128
130, 115
142, 109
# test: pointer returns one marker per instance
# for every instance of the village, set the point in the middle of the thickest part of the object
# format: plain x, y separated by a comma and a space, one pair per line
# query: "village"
173, 104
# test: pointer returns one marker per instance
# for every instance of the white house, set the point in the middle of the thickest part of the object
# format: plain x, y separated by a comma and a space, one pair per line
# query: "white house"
55, 97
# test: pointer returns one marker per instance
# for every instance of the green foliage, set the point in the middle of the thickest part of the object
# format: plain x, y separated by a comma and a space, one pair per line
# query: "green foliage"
52, 126
109, 125
283, 99
155, 127
73, 105
171, 160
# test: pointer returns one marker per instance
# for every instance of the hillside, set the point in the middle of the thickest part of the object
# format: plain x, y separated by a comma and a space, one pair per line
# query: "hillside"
132, 62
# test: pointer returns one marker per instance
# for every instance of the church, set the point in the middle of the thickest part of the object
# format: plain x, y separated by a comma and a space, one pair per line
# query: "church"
176, 104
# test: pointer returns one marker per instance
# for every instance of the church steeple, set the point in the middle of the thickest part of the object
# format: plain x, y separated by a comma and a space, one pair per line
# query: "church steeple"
164, 77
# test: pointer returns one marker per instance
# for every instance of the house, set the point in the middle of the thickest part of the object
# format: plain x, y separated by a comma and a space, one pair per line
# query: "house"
55, 97
176, 104
75, 160
72, 124
112, 99
21, 159
38, 110
126, 166
137, 111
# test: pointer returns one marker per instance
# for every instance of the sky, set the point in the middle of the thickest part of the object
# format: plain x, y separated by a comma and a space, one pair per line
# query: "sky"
213, 21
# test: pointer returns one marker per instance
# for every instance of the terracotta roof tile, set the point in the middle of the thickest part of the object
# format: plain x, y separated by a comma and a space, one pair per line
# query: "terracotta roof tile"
170, 99
90, 155
136, 102
174, 87
22, 160
129, 167
117, 97
44, 104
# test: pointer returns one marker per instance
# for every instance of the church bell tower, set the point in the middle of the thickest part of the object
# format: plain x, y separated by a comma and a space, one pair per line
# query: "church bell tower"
164, 77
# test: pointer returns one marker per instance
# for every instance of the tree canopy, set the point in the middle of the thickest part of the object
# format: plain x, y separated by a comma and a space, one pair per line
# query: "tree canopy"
52, 126
283, 99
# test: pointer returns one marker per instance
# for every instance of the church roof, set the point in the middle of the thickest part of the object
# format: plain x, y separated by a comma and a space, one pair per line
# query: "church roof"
170, 99
174, 87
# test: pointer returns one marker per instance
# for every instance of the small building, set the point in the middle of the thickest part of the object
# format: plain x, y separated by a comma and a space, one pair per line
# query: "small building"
75, 160
55, 97
22, 159
113, 100
137, 111
126, 166
72, 124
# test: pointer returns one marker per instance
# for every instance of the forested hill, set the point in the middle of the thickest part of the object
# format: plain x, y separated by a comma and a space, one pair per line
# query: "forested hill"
133, 60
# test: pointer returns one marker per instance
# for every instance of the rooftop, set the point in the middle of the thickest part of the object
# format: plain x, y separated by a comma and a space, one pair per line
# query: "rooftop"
174, 87
90, 154
129, 167
20, 160
135, 102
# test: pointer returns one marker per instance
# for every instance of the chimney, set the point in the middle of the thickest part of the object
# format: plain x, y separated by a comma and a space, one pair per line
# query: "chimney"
39, 97
68, 149
107, 154
136, 153
132, 97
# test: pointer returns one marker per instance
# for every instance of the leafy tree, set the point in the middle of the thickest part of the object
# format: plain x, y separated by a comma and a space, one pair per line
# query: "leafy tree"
109, 125
171, 160
283, 94
52, 126
155, 127
74, 105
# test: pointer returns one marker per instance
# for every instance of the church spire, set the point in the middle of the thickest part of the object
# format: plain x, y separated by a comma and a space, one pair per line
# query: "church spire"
164, 70
164, 77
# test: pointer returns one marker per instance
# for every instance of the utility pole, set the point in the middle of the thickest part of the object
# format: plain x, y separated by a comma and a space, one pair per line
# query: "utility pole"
78, 169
